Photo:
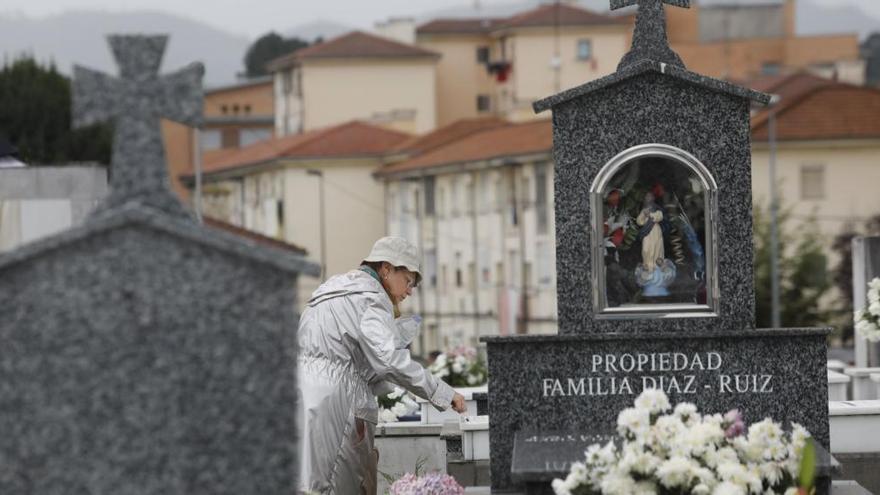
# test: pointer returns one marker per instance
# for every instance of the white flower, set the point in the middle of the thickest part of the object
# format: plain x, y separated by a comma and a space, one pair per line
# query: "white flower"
705, 477
701, 489
874, 308
687, 412
633, 421
666, 433
728, 488
617, 483
771, 472
874, 284
387, 416
645, 488
739, 475
676, 472
638, 461
873, 296
723, 455
561, 487
399, 409
459, 364
396, 393
702, 436
652, 400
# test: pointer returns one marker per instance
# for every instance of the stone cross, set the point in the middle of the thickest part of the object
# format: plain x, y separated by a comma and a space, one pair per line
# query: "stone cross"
135, 102
649, 38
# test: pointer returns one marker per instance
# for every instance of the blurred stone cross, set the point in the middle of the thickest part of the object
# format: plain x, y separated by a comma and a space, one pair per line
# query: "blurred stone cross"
135, 102
649, 37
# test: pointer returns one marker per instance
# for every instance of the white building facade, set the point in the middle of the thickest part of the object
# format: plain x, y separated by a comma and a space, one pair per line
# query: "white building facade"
486, 233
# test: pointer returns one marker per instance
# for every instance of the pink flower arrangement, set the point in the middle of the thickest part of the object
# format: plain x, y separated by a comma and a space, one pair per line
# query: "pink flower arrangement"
429, 484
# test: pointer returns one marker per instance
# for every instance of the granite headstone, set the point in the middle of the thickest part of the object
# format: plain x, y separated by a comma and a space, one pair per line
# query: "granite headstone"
654, 263
143, 353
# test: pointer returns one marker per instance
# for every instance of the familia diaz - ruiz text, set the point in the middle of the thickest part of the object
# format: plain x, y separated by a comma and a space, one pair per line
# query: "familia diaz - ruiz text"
672, 372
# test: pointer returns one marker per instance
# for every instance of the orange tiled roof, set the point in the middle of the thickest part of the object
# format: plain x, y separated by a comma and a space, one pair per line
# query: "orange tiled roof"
459, 26
494, 142
355, 44
448, 133
254, 236
815, 108
563, 14
545, 15
350, 139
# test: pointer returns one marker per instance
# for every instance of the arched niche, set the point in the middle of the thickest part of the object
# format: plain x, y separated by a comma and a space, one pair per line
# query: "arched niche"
654, 239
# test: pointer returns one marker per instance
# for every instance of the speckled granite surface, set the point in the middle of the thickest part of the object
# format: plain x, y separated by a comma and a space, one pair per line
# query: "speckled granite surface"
652, 108
143, 353
523, 392
135, 101
596, 367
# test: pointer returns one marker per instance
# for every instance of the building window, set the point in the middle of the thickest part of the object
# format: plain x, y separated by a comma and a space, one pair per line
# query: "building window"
544, 263
484, 103
541, 197
280, 215
286, 82
224, 109
584, 49
812, 182
441, 203
771, 68
429, 196
455, 200
210, 139
482, 54
251, 136
431, 267
458, 277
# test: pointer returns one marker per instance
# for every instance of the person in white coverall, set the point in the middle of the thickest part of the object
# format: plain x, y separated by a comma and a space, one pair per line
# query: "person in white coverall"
351, 349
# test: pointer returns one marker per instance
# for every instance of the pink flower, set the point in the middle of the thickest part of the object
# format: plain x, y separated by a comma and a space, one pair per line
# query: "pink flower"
429, 484
733, 421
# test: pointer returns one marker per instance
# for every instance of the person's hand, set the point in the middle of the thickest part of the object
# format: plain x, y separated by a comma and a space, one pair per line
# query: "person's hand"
458, 403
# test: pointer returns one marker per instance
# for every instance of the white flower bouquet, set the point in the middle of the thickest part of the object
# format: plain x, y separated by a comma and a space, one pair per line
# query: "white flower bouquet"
395, 405
460, 367
683, 452
868, 320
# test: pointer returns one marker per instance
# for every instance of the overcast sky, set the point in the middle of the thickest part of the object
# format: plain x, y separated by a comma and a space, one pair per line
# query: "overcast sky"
255, 17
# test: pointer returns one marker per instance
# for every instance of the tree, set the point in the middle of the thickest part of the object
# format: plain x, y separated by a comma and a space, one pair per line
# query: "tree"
803, 272
843, 275
267, 48
35, 117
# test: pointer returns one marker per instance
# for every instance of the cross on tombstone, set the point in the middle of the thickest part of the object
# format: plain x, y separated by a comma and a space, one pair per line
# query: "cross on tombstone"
649, 37
135, 102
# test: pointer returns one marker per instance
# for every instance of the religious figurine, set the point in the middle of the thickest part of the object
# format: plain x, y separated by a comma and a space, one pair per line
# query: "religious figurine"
655, 272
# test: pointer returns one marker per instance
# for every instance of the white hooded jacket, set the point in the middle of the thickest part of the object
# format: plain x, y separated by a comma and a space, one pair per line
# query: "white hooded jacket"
347, 356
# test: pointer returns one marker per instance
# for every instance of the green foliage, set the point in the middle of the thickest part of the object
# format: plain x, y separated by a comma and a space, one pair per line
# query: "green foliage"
808, 467
35, 117
803, 272
267, 48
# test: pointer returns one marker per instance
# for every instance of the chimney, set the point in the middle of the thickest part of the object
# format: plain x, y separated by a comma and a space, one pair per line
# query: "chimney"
789, 9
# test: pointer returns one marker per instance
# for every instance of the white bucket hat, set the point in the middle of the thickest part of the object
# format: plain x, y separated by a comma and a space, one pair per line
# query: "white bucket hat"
397, 251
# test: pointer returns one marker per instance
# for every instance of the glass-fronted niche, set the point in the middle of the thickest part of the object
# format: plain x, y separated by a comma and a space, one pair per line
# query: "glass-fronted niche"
654, 239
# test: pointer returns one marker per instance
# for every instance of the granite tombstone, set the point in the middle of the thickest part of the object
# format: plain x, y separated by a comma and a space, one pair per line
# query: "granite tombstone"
144, 353
654, 263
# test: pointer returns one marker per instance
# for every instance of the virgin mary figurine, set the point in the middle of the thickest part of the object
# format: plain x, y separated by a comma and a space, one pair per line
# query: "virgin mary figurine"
655, 272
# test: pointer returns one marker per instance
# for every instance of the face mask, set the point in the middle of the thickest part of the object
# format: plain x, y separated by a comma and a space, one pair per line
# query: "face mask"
407, 330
